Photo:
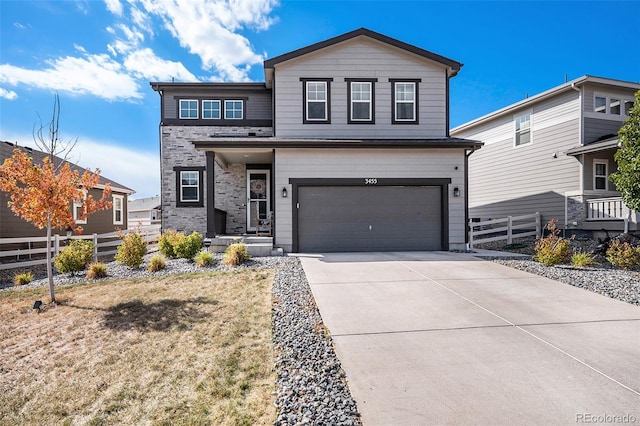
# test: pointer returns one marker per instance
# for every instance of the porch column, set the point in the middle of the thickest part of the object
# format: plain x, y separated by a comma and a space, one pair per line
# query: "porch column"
211, 194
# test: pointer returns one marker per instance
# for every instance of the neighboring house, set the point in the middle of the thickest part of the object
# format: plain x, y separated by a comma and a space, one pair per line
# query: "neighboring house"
553, 153
346, 142
103, 221
144, 211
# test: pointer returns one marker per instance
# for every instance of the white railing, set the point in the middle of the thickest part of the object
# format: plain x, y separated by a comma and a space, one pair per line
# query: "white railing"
104, 245
606, 209
511, 224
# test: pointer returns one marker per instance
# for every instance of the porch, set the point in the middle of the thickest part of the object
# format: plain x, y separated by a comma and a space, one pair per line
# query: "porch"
610, 214
257, 246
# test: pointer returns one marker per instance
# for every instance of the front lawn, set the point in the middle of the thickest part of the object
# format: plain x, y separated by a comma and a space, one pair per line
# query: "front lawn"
179, 349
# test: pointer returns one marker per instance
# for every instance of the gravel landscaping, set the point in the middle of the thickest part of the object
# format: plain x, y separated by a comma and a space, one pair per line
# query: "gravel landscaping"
311, 387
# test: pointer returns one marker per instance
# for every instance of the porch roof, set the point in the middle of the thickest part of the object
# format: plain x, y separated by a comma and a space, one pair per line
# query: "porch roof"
272, 142
604, 145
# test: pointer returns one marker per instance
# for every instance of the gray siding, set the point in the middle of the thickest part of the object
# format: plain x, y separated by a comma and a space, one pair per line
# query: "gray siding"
506, 180
595, 128
258, 104
360, 59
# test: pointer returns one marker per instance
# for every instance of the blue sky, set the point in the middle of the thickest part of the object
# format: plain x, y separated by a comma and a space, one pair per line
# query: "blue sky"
101, 55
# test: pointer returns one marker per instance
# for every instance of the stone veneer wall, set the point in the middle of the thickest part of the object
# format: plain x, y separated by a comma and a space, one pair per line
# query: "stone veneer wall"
576, 210
177, 150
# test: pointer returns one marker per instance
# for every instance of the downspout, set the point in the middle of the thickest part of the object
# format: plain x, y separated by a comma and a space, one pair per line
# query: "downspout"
467, 154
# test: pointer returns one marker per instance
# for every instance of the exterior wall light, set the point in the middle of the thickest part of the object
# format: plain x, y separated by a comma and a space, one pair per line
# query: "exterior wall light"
456, 192
285, 194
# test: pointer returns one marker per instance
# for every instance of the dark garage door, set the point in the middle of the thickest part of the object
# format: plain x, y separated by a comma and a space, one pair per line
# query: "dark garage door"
369, 218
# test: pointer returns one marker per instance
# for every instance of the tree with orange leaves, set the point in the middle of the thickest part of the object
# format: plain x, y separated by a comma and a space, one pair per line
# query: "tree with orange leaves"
43, 193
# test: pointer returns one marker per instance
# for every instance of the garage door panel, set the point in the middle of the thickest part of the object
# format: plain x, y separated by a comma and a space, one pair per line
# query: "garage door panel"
357, 218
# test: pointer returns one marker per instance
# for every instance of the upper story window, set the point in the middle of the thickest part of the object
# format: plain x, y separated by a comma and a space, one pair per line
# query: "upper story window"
405, 101
118, 210
613, 106
522, 129
600, 174
188, 108
317, 100
211, 109
189, 186
361, 98
233, 110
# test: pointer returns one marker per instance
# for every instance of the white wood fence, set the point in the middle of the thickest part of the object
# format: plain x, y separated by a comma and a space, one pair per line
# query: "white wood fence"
104, 245
511, 224
606, 209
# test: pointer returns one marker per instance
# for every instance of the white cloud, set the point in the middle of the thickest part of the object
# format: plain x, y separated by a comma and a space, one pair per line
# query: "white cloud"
145, 64
114, 6
209, 29
98, 75
8, 94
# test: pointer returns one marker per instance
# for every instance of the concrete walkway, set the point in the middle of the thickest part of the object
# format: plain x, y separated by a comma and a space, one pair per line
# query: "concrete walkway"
445, 338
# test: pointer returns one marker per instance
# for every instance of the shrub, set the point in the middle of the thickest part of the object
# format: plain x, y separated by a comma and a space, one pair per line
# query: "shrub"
236, 254
583, 259
204, 259
97, 270
23, 278
552, 249
157, 263
75, 257
188, 247
623, 255
132, 250
167, 241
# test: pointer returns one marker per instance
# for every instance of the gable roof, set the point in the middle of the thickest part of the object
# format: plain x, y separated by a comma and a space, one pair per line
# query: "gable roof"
6, 151
144, 204
528, 102
454, 66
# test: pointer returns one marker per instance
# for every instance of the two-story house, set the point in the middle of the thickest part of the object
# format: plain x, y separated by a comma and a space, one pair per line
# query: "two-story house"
553, 153
346, 143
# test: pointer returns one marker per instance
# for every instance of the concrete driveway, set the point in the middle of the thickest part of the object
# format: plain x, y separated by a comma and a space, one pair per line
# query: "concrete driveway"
446, 338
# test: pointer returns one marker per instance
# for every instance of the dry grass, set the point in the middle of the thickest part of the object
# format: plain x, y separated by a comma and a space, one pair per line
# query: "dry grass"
180, 350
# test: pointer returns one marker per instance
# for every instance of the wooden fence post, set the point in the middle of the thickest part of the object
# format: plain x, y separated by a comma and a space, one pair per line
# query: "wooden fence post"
509, 229
95, 247
56, 244
470, 233
538, 227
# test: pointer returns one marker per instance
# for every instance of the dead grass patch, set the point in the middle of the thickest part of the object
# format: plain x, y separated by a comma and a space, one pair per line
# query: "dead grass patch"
180, 350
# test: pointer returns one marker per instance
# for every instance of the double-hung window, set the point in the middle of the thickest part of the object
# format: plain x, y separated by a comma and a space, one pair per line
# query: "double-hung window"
118, 210
361, 98
189, 186
78, 210
522, 129
188, 109
233, 110
317, 98
405, 101
211, 110
600, 174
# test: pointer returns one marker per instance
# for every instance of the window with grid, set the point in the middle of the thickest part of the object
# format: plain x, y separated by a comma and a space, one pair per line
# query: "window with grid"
211, 110
361, 101
188, 109
316, 108
522, 130
233, 110
189, 186
405, 101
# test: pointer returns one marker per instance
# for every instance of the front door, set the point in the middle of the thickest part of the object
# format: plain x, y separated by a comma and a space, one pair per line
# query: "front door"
258, 197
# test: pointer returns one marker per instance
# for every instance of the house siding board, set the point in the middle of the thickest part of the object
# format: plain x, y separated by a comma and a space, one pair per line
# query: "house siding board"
361, 59
595, 128
380, 163
504, 180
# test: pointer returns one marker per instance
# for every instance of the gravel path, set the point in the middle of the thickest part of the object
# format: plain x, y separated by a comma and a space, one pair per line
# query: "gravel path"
311, 386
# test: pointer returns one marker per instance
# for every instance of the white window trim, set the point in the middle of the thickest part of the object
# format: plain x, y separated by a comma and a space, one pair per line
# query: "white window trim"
219, 109
75, 211
197, 186
325, 101
396, 101
370, 101
180, 109
121, 198
597, 161
241, 109
515, 131
607, 109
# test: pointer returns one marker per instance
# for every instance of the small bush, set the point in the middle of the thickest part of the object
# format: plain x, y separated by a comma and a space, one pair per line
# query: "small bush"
204, 259
75, 257
132, 250
97, 270
167, 242
188, 247
623, 255
583, 259
157, 263
552, 249
23, 278
236, 254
